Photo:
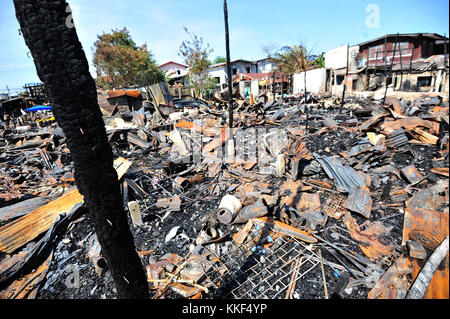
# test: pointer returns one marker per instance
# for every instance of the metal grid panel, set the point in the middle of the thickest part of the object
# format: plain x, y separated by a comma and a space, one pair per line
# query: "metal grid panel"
333, 207
246, 273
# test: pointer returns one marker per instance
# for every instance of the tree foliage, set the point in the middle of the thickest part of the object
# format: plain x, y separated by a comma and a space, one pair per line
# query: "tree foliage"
220, 59
319, 60
195, 54
120, 62
290, 60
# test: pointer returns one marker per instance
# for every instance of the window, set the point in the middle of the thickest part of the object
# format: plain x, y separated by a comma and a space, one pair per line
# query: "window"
234, 71
404, 47
339, 79
423, 80
247, 69
373, 52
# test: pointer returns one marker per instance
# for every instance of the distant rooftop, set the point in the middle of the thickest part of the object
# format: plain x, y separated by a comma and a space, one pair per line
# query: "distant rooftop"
433, 36
172, 62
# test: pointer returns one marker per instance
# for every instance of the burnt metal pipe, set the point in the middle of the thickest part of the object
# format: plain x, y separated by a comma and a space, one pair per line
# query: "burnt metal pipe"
251, 211
228, 209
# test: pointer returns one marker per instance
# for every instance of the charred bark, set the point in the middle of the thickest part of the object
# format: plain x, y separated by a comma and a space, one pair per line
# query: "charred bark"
62, 65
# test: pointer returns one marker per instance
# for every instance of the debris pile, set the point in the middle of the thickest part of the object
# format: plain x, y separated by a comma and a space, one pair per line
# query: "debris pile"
315, 201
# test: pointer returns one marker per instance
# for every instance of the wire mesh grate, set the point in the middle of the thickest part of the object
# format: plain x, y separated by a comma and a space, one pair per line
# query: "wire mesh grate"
333, 206
249, 272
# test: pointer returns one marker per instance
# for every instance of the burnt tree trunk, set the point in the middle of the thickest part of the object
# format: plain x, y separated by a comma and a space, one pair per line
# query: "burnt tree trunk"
62, 65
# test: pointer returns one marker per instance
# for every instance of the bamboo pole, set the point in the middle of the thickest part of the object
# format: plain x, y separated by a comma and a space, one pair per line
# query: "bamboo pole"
345, 80
390, 72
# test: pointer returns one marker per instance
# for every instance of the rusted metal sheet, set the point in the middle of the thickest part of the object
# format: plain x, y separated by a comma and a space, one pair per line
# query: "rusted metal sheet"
301, 151
359, 201
9, 265
320, 183
26, 228
369, 238
424, 136
28, 258
421, 284
396, 139
286, 229
444, 171
439, 285
118, 93
409, 123
427, 227
372, 121
21, 231
426, 222
309, 201
394, 283
218, 141
251, 211
293, 192
411, 174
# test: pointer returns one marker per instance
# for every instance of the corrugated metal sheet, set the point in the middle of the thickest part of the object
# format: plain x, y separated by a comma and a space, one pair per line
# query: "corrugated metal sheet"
427, 222
22, 208
21, 231
131, 93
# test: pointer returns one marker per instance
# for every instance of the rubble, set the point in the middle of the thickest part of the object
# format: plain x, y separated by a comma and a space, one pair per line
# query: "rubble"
319, 201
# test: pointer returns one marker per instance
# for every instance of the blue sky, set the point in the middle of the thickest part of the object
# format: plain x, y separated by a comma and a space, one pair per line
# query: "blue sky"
322, 25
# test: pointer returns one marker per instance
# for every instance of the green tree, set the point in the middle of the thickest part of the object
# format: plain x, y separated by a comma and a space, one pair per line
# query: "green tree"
195, 54
120, 62
220, 59
319, 60
295, 59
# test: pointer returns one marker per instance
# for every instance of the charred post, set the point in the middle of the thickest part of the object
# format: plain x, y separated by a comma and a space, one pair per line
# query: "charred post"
62, 66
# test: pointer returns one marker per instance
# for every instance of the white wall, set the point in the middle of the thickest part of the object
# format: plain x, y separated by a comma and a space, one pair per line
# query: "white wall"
242, 67
255, 88
221, 71
218, 72
315, 81
172, 70
265, 66
337, 58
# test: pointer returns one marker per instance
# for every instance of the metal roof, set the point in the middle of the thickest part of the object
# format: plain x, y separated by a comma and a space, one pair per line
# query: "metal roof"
433, 36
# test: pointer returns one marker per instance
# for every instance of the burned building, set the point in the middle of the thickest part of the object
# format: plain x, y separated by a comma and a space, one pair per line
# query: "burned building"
417, 61
36, 91
119, 101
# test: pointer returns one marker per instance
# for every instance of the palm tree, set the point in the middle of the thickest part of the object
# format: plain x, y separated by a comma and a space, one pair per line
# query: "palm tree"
62, 66
295, 59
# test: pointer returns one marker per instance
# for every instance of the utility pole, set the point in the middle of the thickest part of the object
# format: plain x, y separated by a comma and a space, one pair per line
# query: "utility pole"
385, 58
273, 87
345, 80
401, 68
445, 52
230, 84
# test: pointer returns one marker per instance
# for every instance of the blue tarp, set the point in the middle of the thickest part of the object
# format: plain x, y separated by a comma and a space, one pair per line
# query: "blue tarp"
39, 108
